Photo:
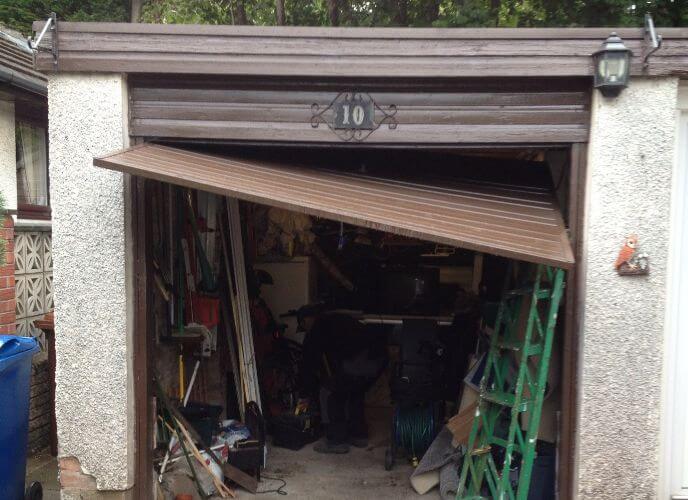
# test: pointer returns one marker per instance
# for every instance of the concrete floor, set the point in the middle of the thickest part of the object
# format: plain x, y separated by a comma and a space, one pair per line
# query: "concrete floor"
308, 475
359, 474
42, 467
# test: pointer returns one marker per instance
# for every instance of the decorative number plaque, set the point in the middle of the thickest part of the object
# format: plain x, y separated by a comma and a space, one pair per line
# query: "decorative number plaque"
353, 116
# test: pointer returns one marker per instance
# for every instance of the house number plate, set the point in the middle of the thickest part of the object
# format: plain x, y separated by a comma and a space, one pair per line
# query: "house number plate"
354, 112
353, 116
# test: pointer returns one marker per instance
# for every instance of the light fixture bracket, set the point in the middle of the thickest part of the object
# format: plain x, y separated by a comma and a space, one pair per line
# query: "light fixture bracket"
652, 39
50, 24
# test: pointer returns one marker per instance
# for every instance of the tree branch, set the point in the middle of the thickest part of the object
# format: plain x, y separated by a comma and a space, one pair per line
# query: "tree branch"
333, 12
279, 12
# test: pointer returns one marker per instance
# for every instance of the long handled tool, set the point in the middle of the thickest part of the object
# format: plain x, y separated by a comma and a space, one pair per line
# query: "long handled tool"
185, 401
250, 483
223, 490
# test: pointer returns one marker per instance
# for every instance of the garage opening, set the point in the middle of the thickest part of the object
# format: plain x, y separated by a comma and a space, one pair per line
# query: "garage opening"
324, 320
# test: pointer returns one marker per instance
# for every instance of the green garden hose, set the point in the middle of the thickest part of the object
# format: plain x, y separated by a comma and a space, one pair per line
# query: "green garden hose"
414, 429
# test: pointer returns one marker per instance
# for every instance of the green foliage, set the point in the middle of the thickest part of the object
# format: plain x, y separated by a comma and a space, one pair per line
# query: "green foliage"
19, 14
439, 13
186, 12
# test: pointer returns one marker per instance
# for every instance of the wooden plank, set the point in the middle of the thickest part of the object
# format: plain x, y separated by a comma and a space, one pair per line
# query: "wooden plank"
360, 47
417, 85
245, 348
303, 132
378, 33
250, 483
223, 490
295, 92
379, 67
565, 473
143, 361
206, 112
345, 52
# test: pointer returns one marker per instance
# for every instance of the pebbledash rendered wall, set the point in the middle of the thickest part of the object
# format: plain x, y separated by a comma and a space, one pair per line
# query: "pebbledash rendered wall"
94, 390
630, 163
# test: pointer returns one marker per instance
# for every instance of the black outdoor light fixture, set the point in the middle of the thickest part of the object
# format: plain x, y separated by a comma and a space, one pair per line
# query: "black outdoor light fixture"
612, 66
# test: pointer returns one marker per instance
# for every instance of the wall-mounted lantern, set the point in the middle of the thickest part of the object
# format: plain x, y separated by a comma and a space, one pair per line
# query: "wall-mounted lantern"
612, 66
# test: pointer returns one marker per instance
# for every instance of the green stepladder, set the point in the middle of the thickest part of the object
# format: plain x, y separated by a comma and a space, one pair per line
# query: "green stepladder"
513, 383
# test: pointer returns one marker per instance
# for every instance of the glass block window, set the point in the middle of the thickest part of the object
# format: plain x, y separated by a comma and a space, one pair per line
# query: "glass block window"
33, 272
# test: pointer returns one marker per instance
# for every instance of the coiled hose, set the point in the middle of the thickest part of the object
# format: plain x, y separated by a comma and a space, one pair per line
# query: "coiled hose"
414, 429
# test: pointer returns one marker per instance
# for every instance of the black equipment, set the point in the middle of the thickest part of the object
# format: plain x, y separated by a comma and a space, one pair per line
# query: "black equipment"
418, 376
294, 431
417, 389
249, 454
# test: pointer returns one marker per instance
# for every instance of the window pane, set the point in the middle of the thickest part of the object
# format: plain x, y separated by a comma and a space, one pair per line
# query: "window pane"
32, 165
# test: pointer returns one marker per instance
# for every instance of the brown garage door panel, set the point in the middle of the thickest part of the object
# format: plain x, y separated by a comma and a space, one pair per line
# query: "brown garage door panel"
430, 114
509, 221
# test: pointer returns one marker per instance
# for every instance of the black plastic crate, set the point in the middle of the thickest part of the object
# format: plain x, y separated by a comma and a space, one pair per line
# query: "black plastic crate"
293, 431
203, 418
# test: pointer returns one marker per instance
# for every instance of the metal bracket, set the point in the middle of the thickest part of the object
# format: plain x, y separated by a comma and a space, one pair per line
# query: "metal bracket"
652, 37
50, 24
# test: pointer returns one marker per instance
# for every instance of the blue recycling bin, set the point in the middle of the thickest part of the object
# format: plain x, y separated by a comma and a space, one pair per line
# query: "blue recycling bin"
15, 385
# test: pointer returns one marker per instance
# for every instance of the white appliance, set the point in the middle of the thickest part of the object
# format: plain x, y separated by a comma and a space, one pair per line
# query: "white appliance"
294, 286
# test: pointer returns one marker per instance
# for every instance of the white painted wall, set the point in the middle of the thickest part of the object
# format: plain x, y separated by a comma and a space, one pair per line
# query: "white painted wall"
94, 397
630, 163
8, 152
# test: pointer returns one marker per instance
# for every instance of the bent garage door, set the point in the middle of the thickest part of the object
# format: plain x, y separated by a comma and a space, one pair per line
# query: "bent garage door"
516, 222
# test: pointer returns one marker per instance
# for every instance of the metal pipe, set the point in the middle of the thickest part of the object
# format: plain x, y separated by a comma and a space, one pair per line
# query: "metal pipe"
391, 321
650, 28
25, 82
655, 39
48, 23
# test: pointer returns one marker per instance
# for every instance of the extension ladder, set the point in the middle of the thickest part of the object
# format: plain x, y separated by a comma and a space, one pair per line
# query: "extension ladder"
513, 383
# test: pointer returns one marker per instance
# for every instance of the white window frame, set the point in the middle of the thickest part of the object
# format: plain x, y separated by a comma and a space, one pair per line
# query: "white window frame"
674, 470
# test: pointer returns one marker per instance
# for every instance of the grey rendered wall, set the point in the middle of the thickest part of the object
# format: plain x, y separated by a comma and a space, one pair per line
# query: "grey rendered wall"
94, 396
630, 161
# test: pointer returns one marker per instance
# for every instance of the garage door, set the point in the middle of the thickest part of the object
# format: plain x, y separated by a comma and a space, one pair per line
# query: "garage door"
515, 222
484, 111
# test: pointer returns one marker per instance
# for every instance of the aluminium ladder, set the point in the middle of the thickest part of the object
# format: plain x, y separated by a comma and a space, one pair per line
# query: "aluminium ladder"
513, 383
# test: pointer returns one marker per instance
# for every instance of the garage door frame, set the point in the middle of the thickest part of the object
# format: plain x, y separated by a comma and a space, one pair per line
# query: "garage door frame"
142, 349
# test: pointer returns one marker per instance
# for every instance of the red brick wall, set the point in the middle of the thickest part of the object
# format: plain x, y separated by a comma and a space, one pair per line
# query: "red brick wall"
8, 301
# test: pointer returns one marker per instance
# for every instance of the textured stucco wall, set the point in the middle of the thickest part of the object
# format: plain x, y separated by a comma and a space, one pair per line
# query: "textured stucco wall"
94, 397
629, 186
8, 158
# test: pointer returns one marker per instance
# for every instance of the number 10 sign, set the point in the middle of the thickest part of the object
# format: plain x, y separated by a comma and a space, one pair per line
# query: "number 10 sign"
353, 116
354, 112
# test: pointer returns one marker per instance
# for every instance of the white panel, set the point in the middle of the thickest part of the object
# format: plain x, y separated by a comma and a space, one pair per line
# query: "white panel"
677, 340
293, 287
